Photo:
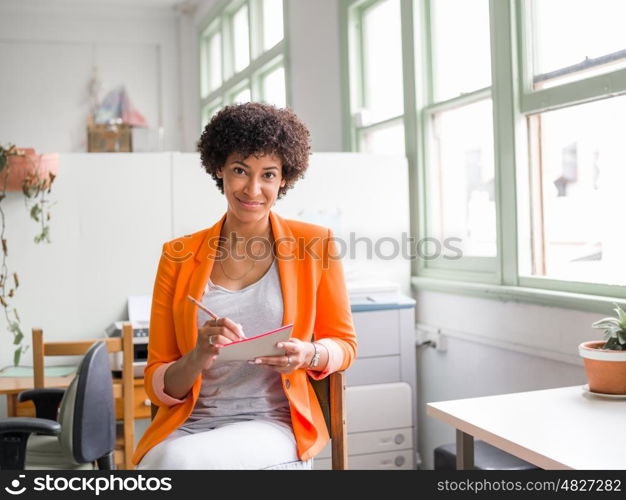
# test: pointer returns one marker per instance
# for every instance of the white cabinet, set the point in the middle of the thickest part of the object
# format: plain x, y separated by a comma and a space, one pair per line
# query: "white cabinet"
380, 393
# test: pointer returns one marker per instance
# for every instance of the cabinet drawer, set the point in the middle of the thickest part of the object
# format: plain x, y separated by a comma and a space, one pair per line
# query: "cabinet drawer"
363, 443
395, 460
374, 371
378, 332
141, 404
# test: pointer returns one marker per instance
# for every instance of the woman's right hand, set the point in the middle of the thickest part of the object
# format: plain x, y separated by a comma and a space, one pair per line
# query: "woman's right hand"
212, 336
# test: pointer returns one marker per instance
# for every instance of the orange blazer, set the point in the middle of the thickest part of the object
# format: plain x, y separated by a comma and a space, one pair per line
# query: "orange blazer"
315, 300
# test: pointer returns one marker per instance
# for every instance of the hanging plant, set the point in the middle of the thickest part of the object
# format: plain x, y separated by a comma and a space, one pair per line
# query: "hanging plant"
32, 174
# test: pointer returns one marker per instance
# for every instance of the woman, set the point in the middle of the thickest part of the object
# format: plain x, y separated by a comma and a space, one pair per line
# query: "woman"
257, 272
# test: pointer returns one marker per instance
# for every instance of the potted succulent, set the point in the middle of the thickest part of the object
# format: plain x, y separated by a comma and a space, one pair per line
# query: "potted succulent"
605, 360
33, 174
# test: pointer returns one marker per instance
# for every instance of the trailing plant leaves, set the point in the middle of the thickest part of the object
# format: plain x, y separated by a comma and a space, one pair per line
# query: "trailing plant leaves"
17, 332
45, 235
3, 162
16, 356
34, 212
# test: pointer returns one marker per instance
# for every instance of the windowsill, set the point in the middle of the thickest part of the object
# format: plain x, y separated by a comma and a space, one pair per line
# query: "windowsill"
525, 295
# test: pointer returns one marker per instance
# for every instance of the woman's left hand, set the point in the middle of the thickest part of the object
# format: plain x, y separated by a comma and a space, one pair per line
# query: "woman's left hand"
297, 355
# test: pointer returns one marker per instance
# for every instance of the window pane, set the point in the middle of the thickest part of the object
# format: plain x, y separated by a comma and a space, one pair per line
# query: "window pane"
241, 38
460, 186
272, 23
386, 140
577, 194
215, 61
274, 88
461, 50
567, 33
241, 96
382, 60
208, 112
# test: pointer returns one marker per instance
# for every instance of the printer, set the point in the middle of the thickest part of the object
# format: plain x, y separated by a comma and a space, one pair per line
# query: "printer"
140, 348
139, 317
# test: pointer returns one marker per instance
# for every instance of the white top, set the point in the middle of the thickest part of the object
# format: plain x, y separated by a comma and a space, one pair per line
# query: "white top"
237, 391
564, 428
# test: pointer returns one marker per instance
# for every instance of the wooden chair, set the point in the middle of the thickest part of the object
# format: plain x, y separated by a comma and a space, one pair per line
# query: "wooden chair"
330, 393
123, 389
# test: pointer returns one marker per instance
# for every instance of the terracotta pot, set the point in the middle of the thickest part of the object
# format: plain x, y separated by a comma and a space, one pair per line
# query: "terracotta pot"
31, 166
605, 369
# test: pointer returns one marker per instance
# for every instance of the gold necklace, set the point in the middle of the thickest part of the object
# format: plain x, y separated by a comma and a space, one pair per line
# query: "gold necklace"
243, 275
238, 278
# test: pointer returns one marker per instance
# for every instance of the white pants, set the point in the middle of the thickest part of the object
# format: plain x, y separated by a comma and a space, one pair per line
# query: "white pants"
255, 444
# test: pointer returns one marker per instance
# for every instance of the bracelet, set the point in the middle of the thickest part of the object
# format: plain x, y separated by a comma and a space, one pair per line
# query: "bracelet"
315, 360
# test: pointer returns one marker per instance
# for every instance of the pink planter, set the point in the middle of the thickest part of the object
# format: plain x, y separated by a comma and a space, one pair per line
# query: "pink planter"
605, 369
30, 167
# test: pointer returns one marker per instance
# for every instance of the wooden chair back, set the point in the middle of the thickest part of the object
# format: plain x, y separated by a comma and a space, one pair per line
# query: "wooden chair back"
330, 393
122, 389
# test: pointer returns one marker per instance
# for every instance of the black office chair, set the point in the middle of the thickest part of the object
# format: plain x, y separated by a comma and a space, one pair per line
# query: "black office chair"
85, 431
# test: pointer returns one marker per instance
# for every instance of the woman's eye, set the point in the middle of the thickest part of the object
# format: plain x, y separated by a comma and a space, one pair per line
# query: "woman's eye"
271, 175
238, 170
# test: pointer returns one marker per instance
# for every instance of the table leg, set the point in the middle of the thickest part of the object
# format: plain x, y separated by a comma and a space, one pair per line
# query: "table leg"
464, 451
11, 405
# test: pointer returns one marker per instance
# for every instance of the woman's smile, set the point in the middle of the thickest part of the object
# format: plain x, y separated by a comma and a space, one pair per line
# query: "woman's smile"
251, 205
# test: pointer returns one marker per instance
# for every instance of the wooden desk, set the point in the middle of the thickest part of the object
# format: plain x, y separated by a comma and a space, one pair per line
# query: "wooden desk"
562, 428
12, 386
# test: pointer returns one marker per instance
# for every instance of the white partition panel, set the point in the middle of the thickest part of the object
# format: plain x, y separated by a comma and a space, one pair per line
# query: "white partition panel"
113, 212
197, 202
364, 198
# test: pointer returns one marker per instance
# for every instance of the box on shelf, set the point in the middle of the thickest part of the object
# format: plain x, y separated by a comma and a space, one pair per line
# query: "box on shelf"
105, 138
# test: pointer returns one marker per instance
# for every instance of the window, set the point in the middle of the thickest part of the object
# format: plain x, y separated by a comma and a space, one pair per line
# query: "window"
272, 23
577, 176
242, 55
515, 138
459, 182
573, 106
591, 39
461, 179
377, 102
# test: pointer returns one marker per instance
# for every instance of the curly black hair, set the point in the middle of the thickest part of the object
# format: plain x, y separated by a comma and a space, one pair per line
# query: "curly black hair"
255, 128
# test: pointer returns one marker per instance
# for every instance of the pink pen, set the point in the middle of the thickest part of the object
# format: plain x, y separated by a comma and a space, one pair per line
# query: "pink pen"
209, 312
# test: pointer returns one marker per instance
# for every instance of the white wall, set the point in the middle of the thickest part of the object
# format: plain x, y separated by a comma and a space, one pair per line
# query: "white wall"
315, 70
48, 51
493, 347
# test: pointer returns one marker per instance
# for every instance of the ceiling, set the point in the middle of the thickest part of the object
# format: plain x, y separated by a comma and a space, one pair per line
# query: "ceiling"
157, 4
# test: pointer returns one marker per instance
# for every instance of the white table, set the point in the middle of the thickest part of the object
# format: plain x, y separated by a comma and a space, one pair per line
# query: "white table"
562, 428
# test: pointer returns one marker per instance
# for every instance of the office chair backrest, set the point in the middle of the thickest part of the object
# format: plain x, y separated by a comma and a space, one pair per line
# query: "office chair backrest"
124, 391
87, 412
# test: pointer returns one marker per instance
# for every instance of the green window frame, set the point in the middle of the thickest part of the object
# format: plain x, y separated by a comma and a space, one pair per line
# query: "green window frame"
513, 100
219, 20
353, 11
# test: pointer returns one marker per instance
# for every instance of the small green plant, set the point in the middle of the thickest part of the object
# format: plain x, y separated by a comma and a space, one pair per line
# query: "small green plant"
614, 330
35, 189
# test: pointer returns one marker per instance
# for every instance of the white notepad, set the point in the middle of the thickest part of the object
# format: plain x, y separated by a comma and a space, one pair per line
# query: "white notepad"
260, 345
